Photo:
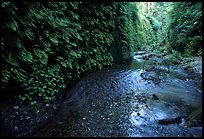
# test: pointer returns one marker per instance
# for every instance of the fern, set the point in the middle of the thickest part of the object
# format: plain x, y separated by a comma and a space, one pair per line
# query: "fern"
185, 26
43, 40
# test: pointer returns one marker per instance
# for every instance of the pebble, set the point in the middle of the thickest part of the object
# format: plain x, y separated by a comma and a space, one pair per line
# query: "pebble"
60, 123
16, 107
16, 128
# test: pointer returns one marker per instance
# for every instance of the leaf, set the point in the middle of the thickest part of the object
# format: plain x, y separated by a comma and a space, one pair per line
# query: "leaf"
11, 59
27, 56
28, 34
74, 5
33, 102
23, 98
4, 4
54, 40
37, 53
13, 24
72, 43
63, 64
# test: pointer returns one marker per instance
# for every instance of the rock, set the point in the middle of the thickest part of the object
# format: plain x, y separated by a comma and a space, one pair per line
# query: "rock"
140, 52
60, 123
148, 55
16, 107
186, 68
143, 76
155, 97
170, 120
16, 128
164, 54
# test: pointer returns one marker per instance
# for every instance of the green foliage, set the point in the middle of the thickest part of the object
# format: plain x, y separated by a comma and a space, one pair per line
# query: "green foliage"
12, 47
96, 26
47, 45
120, 31
146, 31
185, 29
44, 85
153, 21
127, 31
160, 13
174, 57
192, 44
152, 27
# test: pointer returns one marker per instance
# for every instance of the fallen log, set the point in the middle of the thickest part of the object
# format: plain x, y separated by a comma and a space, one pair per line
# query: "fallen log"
167, 121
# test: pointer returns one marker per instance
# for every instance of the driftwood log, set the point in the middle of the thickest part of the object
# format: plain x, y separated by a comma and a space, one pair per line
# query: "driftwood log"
167, 121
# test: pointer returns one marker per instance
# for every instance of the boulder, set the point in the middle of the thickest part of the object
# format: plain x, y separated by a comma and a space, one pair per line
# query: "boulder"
155, 97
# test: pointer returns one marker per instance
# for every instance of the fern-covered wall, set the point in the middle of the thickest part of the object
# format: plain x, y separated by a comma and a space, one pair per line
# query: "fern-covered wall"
47, 45
147, 28
185, 29
120, 45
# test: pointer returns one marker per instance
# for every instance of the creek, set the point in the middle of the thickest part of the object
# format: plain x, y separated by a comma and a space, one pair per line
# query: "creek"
128, 101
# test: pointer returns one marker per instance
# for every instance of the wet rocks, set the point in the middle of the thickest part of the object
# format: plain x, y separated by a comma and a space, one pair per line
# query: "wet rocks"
21, 119
186, 67
140, 52
193, 65
155, 97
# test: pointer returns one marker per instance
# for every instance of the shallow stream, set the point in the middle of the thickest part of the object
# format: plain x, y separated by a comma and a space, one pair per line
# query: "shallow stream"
118, 102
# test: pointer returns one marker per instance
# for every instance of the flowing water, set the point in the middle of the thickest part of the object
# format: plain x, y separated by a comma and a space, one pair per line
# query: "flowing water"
118, 102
